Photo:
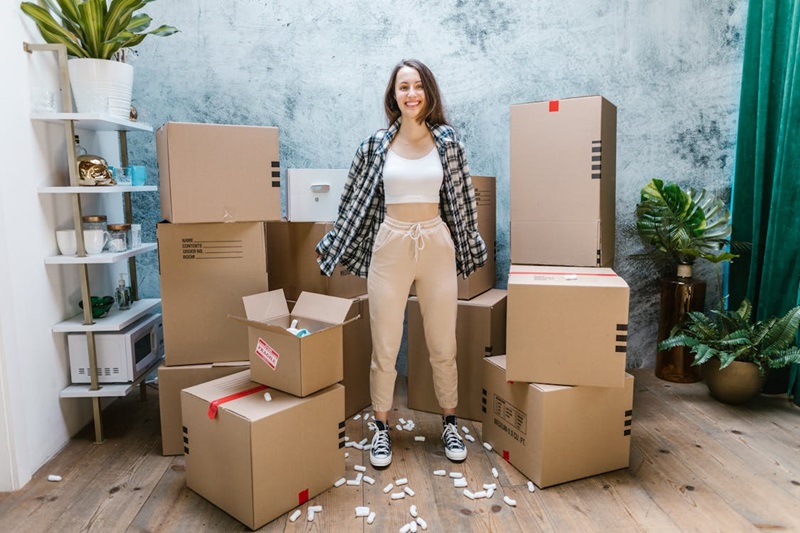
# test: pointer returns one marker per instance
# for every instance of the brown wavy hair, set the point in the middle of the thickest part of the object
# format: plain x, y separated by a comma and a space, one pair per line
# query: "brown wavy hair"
433, 112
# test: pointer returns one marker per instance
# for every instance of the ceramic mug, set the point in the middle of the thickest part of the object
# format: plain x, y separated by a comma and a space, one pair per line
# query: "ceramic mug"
94, 240
67, 245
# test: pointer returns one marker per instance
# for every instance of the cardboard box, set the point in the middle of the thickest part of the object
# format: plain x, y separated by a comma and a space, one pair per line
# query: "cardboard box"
480, 332
482, 279
567, 326
313, 194
173, 379
357, 356
218, 173
293, 265
284, 361
563, 166
206, 269
554, 434
257, 460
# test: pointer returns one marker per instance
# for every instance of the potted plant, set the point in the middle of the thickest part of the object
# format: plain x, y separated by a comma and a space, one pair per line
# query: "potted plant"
735, 351
96, 34
678, 227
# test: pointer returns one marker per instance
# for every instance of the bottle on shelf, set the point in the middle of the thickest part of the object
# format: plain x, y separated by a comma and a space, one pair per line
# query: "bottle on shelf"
79, 150
123, 293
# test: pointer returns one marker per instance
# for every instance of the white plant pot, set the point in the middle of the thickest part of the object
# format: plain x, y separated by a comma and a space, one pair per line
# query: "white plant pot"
101, 86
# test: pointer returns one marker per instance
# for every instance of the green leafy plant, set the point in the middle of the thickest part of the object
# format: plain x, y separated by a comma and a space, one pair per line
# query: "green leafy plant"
734, 336
683, 225
94, 28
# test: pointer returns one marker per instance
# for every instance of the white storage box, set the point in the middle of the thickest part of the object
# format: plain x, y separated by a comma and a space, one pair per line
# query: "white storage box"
312, 194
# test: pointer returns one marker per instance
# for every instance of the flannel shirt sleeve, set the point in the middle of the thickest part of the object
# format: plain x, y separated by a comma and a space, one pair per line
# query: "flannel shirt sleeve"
477, 247
331, 246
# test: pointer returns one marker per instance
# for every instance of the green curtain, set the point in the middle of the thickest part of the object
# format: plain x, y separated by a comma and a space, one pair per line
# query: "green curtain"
766, 184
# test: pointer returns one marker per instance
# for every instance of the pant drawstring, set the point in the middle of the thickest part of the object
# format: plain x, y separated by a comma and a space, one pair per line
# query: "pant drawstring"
415, 234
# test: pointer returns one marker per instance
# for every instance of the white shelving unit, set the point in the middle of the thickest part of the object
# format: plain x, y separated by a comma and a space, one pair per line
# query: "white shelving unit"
116, 319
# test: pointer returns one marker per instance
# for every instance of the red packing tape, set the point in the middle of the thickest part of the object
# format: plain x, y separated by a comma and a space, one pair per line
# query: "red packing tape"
506, 456
553, 106
302, 497
213, 406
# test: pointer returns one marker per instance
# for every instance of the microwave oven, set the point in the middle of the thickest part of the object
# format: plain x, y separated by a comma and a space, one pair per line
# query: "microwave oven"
122, 356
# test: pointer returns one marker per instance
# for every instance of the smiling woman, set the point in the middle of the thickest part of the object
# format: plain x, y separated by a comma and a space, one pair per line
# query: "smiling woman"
408, 215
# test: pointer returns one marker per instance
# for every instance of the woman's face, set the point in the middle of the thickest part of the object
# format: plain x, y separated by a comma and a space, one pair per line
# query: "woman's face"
409, 93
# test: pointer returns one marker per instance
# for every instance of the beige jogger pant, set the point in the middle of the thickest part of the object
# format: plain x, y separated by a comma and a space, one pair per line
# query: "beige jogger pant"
406, 252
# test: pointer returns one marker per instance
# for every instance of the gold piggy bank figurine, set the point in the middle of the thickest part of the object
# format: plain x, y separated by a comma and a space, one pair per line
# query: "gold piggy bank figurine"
93, 170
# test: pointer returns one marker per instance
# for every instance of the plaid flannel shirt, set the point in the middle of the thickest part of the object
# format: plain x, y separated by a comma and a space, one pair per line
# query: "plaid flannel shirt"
362, 207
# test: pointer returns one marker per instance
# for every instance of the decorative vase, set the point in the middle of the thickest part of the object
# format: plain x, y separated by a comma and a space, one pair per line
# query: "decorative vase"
101, 86
679, 295
737, 383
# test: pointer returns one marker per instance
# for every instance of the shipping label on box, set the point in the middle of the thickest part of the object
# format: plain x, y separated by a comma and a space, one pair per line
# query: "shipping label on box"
480, 332
205, 270
246, 455
563, 174
313, 194
218, 173
567, 326
299, 365
554, 434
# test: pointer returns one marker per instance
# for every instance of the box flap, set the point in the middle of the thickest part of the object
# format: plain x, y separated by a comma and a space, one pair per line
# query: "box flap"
265, 306
262, 325
321, 307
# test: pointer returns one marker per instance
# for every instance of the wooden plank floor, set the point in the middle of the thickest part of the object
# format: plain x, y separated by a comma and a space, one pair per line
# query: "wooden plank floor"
696, 465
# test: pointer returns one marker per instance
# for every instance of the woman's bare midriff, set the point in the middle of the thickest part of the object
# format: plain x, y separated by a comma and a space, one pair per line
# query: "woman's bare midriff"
412, 212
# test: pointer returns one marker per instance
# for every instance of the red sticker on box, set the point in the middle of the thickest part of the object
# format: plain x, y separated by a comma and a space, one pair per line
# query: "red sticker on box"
506, 456
302, 497
553, 106
267, 354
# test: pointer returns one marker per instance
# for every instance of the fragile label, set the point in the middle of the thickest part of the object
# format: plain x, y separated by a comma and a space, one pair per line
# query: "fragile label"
267, 354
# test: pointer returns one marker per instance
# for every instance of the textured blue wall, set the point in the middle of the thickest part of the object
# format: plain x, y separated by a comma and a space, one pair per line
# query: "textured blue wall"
317, 70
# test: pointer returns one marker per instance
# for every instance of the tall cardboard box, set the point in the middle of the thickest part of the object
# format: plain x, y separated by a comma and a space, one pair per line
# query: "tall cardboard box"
293, 264
482, 279
480, 332
206, 269
567, 326
218, 173
299, 365
357, 356
554, 434
257, 460
313, 194
563, 172
173, 379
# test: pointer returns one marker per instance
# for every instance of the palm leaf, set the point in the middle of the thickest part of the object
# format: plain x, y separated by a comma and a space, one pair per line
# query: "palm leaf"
781, 334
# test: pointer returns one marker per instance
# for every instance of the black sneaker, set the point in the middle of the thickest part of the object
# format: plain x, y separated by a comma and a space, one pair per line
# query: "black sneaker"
380, 453
454, 447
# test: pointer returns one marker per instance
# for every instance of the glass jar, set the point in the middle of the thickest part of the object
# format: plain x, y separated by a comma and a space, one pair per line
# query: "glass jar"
118, 237
95, 222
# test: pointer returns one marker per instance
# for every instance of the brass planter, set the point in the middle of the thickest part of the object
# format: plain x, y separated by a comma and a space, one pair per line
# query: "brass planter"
679, 295
737, 383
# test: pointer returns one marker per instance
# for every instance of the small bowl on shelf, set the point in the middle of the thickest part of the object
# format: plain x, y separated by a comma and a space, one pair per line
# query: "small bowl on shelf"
100, 305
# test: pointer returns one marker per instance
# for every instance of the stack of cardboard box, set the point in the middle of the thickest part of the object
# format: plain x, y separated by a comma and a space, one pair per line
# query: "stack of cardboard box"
558, 405
220, 186
480, 323
218, 183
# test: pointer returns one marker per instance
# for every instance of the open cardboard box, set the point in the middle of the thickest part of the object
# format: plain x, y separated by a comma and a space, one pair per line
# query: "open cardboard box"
284, 361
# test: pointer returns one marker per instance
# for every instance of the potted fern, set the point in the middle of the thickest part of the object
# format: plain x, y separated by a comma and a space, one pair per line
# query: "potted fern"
96, 34
678, 227
735, 351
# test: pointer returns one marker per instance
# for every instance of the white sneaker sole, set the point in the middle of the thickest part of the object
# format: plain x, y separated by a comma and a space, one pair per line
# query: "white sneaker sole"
380, 461
456, 456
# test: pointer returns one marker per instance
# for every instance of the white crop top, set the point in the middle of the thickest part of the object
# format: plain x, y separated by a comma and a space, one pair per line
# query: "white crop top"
411, 181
